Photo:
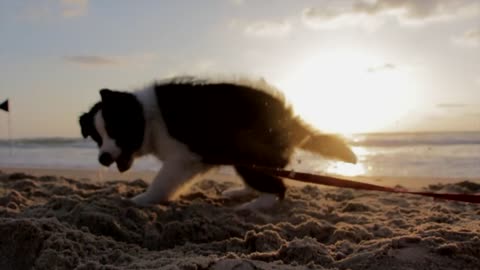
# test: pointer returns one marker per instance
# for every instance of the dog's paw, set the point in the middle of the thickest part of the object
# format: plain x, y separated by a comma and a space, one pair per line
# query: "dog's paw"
142, 199
237, 192
149, 199
265, 201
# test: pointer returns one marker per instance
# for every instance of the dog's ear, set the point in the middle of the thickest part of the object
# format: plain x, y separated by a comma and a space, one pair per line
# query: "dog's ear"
86, 124
106, 94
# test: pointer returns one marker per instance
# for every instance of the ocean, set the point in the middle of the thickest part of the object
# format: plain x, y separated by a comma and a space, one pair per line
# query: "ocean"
433, 155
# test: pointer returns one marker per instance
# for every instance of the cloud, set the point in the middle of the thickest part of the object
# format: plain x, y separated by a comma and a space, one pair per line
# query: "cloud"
469, 38
268, 29
91, 60
374, 13
411, 11
332, 17
136, 60
73, 8
384, 67
44, 10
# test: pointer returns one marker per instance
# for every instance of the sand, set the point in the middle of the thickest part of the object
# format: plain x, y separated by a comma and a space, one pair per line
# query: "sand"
59, 222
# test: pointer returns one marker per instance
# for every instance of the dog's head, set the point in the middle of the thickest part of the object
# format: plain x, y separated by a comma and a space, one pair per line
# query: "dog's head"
116, 124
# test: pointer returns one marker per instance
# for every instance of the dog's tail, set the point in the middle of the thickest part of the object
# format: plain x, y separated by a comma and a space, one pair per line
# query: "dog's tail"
327, 145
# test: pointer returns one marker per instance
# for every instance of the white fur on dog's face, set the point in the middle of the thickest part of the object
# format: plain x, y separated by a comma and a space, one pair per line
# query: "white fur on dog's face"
108, 144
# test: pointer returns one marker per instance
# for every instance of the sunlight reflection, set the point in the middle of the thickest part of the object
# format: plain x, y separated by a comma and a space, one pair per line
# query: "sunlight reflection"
361, 152
346, 169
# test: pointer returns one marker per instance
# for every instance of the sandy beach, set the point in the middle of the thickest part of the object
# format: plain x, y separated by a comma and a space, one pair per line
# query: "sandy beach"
59, 219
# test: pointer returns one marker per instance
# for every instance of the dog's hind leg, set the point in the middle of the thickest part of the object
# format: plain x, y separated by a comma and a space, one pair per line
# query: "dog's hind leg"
262, 182
237, 192
173, 174
272, 187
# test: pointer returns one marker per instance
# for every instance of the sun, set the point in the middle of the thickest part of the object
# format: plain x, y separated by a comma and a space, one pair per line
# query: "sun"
350, 92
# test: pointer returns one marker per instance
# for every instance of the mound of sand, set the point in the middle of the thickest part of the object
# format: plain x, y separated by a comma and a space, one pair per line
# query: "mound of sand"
58, 223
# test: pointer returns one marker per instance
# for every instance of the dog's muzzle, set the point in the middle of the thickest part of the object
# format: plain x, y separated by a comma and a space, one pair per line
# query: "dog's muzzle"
124, 163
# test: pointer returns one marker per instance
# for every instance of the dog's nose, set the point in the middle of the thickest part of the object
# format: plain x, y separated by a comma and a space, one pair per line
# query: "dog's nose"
105, 159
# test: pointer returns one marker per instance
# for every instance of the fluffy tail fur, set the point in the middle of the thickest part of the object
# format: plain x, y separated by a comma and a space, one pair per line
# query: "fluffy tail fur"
327, 145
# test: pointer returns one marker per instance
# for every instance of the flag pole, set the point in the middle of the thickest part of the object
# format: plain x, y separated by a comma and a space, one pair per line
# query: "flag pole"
6, 107
10, 132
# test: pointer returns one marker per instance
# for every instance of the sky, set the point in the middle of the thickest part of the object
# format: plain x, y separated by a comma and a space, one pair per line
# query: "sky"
345, 66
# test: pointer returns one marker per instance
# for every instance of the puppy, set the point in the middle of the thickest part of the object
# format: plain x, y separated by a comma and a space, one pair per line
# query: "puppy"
193, 125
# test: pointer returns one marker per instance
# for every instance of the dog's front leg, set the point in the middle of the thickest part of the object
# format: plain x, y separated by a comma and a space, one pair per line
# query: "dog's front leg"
173, 174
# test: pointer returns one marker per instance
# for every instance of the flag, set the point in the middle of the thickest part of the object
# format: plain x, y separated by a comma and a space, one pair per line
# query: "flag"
4, 106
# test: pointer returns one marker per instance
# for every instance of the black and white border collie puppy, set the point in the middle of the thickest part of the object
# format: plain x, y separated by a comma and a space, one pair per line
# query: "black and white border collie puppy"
192, 125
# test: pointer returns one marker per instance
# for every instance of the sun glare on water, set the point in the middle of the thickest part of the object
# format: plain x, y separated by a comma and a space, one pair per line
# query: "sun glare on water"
345, 92
347, 169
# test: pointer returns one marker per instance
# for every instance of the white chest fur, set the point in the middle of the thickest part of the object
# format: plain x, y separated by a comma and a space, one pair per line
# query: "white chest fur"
157, 141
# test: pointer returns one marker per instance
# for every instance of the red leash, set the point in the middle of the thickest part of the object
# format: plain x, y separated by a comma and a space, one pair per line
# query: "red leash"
338, 182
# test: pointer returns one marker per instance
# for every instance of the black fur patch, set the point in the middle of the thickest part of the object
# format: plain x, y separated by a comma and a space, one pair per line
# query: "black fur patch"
124, 120
229, 124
